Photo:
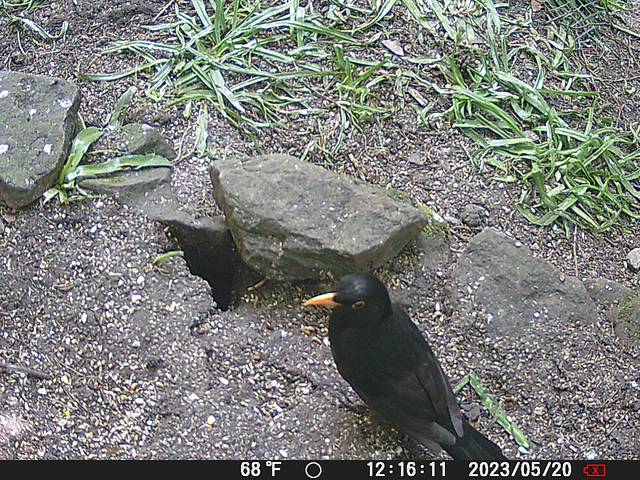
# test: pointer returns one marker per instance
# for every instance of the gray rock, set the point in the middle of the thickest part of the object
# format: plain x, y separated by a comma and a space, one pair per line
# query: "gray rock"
634, 259
292, 220
129, 185
622, 306
136, 138
606, 292
498, 282
474, 215
627, 319
38, 124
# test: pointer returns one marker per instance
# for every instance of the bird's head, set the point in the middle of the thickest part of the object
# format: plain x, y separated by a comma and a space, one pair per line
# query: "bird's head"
360, 293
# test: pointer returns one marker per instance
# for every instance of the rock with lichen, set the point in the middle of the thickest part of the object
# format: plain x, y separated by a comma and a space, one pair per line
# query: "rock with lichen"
293, 220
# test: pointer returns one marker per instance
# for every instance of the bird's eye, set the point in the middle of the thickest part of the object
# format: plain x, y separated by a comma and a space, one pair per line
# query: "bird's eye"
358, 305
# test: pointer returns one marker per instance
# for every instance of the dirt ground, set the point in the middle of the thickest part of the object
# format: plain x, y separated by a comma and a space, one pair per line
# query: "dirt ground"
67, 267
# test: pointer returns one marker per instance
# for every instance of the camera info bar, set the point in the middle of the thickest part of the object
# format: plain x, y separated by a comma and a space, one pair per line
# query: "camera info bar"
370, 469
343, 469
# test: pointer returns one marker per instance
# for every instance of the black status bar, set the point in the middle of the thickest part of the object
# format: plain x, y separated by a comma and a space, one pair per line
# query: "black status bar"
455, 469
352, 470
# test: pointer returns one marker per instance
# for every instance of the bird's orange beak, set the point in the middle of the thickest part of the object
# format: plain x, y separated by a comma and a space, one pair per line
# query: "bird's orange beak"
326, 299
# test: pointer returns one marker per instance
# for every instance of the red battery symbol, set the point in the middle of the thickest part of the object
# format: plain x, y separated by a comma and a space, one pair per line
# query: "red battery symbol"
594, 470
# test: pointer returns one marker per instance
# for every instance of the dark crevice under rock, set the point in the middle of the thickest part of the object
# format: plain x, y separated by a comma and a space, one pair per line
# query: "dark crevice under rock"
211, 253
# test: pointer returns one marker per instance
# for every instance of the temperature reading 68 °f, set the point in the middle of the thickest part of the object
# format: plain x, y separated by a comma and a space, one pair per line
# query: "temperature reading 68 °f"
254, 469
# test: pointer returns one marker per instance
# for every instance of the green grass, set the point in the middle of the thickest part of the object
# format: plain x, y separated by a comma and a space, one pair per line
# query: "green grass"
249, 61
16, 5
7, 9
242, 58
574, 167
571, 176
159, 261
493, 406
42, 33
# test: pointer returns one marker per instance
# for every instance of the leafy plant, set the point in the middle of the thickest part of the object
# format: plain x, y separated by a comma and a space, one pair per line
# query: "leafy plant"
72, 171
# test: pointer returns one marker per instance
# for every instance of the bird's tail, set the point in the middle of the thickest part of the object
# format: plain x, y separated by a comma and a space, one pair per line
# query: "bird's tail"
474, 446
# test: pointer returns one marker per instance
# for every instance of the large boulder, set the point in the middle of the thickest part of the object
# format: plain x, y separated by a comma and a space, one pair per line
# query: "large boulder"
39, 120
292, 220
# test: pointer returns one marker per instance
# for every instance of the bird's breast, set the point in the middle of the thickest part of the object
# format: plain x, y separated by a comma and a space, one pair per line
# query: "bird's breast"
366, 362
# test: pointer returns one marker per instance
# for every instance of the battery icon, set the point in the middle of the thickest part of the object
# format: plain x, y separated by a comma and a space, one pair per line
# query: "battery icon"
594, 470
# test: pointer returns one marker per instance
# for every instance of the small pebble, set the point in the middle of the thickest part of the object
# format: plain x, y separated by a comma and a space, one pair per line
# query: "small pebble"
634, 258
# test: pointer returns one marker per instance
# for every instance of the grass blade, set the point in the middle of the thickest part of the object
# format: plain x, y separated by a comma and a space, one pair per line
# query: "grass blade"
80, 145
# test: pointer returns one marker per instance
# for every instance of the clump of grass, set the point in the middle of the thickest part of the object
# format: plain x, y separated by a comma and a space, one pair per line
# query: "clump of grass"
44, 34
243, 56
21, 21
575, 168
17, 5
571, 176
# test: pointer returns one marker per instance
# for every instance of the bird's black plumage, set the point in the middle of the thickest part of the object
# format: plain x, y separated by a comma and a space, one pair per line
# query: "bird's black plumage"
387, 361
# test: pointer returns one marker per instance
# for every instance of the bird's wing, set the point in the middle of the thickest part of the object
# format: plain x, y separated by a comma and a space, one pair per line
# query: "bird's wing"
429, 375
408, 387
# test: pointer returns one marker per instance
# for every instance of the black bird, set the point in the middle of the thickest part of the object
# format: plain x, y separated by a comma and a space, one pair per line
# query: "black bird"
387, 361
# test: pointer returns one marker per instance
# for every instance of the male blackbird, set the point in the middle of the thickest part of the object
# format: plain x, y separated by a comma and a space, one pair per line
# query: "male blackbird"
387, 361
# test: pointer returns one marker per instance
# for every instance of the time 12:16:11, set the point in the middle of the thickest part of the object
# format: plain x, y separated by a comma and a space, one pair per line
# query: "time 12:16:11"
406, 469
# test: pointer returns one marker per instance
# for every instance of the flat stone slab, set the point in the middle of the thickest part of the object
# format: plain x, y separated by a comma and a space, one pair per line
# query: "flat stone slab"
38, 124
128, 184
293, 220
